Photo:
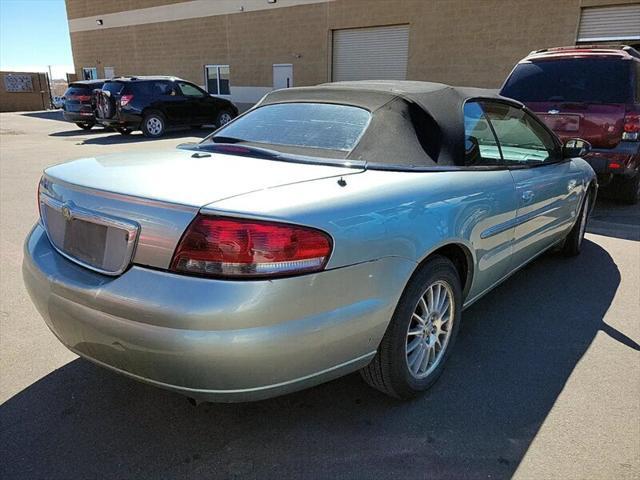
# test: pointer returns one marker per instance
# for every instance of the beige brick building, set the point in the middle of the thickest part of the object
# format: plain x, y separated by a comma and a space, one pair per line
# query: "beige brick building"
244, 48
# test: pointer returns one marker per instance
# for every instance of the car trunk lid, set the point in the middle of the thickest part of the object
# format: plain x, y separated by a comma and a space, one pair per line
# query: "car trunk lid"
107, 212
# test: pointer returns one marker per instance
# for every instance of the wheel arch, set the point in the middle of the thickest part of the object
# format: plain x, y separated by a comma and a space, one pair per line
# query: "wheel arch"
152, 109
461, 257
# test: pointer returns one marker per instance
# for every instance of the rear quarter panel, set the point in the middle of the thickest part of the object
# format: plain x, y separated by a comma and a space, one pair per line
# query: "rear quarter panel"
378, 214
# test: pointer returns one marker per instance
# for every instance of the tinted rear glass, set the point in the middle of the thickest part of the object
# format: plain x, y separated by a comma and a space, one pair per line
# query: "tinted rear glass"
74, 90
113, 87
577, 80
82, 88
312, 125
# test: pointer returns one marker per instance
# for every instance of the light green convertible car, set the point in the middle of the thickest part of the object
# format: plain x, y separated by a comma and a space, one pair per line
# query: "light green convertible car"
329, 229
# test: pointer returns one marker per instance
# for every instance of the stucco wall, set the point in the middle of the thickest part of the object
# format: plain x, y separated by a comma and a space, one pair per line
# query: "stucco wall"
38, 99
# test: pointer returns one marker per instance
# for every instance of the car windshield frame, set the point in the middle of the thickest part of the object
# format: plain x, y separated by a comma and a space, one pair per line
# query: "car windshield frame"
554, 71
310, 147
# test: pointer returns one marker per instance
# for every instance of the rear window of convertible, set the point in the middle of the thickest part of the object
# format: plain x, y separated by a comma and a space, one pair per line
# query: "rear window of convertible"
311, 125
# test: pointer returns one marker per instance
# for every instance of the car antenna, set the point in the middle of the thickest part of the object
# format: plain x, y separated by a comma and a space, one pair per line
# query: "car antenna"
342, 182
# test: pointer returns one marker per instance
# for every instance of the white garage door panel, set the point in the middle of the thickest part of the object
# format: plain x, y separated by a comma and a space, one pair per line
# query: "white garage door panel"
371, 53
610, 23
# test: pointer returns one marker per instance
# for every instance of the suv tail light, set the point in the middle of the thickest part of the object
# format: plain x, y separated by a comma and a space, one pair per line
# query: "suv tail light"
80, 98
226, 247
631, 127
125, 99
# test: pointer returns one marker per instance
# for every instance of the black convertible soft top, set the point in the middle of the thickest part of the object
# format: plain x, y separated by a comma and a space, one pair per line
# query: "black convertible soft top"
413, 124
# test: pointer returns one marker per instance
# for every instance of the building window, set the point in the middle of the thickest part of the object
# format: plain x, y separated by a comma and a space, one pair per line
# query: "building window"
89, 73
109, 72
216, 78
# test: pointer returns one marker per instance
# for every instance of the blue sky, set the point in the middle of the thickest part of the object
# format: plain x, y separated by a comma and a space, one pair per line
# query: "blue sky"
34, 34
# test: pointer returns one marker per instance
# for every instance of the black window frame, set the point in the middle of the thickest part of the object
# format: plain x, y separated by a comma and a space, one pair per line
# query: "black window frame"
555, 157
500, 164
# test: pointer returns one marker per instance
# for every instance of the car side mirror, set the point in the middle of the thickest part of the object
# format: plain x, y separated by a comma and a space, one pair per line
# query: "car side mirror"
575, 147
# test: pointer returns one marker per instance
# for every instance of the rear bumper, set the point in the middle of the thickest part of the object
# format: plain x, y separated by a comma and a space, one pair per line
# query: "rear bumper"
79, 117
211, 339
625, 154
121, 120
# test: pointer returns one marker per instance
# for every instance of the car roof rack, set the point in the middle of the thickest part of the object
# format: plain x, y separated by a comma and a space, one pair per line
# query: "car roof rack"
625, 48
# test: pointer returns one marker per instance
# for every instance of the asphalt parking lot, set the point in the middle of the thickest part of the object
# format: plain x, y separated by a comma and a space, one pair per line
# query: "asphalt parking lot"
544, 382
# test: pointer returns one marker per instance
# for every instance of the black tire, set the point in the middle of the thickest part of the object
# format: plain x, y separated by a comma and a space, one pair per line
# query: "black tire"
124, 131
573, 242
85, 126
153, 125
224, 117
389, 370
630, 189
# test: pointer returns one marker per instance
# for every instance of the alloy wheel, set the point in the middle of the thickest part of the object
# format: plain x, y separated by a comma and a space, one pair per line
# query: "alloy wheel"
430, 329
224, 118
154, 125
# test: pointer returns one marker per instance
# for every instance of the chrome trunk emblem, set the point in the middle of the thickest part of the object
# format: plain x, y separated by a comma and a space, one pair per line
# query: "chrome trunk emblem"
66, 212
553, 111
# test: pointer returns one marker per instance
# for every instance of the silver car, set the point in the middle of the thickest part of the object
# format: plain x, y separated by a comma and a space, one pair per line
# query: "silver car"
329, 229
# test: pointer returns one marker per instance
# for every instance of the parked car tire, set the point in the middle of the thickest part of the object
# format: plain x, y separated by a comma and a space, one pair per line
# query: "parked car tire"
224, 117
124, 131
421, 334
573, 241
629, 189
85, 126
153, 125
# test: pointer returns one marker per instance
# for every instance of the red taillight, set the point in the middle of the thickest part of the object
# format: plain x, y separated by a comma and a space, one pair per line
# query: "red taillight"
631, 126
125, 99
225, 247
614, 165
80, 98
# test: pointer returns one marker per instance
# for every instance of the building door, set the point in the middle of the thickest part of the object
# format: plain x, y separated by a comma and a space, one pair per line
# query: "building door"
282, 75
378, 53
109, 72
617, 23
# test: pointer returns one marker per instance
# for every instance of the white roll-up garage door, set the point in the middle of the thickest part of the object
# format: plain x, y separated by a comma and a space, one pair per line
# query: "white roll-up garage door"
621, 22
378, 53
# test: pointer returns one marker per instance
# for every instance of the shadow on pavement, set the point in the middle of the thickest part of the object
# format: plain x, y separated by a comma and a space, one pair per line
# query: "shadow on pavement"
136, 137
78, 132
46, 115
516, 350
613, 218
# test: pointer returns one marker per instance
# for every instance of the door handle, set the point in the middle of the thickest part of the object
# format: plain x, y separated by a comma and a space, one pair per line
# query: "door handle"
527, 196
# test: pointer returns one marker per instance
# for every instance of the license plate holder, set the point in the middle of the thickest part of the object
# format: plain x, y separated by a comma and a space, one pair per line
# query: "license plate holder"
85, 240
562, 123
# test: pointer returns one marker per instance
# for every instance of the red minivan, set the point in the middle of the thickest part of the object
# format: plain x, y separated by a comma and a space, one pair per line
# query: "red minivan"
593, 93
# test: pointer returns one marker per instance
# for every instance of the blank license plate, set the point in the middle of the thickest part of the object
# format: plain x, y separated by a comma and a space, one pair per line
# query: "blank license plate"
86, 241
563, 123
